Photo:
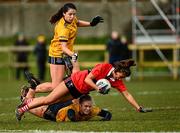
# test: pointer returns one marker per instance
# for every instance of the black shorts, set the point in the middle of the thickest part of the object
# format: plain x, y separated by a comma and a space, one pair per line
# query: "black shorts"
56, 60
52, 110
72, 89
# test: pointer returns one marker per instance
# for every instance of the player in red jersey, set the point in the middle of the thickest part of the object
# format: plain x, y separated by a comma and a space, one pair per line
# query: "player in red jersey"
82, 82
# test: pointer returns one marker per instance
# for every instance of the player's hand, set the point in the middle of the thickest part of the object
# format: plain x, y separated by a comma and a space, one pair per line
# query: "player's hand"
96, 20
75, 101
144, 110
107, 117
103, 90
74, 57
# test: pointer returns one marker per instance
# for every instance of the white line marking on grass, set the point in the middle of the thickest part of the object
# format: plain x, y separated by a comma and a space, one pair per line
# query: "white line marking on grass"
11, 131
143, 93
54, 131
157, 92
109, 94
167, 107
9, 99
5, 114
155, 108
48, 131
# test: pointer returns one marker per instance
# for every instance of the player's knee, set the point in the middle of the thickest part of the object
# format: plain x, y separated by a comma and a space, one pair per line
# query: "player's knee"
54, 85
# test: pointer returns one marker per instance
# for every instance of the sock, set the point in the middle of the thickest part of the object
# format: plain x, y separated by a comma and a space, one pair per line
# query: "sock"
24, 108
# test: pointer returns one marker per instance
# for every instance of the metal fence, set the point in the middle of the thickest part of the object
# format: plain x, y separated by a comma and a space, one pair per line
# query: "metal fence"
140, 49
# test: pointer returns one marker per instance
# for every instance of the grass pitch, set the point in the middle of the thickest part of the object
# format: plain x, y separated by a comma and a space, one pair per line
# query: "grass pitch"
163, 96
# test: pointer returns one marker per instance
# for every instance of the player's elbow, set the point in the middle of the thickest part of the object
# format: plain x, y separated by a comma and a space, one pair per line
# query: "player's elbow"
86, 80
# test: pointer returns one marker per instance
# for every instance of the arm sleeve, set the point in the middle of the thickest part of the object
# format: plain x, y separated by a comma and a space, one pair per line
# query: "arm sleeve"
119, 85
57, 106
63, 33
101, 70
96, 70
105, 114
62, 113
71, 115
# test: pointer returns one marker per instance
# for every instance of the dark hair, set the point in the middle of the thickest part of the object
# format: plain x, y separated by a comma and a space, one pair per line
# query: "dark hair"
84, 98
124, 66
62, 10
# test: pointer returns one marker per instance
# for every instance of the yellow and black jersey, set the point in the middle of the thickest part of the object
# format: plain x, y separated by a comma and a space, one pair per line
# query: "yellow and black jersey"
63, 32
62, 113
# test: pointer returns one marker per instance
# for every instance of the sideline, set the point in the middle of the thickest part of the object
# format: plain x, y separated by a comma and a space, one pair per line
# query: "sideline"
54, 131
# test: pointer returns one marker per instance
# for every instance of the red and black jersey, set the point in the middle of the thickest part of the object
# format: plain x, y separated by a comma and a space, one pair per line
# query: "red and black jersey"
99, 71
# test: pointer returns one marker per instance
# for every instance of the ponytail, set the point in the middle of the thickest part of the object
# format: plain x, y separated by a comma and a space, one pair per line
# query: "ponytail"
62, 10
124, 63
124, 66
56, 16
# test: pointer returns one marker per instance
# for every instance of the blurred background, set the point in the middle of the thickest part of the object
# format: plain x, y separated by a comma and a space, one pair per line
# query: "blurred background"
149, 28
146, 30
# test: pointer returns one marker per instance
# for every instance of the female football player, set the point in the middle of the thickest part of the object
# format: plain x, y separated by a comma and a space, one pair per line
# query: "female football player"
65, 31
79, 110
82, 82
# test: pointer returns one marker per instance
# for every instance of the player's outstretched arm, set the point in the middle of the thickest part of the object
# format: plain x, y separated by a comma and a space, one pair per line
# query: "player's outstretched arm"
130, 99
94, 22
133, 102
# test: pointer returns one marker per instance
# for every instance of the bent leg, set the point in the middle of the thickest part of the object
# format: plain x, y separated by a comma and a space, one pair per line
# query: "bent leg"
44, 87
60, 91
30, 94
39, 111
57, 75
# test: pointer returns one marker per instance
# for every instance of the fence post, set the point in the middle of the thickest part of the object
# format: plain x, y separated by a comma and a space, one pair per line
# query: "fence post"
175, 66
141, 62
9, 65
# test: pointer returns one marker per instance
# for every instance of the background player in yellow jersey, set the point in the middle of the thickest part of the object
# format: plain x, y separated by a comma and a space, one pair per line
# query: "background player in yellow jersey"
65, 31
76, 110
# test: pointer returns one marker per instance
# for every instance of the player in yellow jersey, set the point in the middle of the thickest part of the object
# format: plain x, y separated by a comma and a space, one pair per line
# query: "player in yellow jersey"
66, 24
76, 110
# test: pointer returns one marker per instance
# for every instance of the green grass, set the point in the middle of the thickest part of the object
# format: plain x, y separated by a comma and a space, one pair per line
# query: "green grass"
161, 95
